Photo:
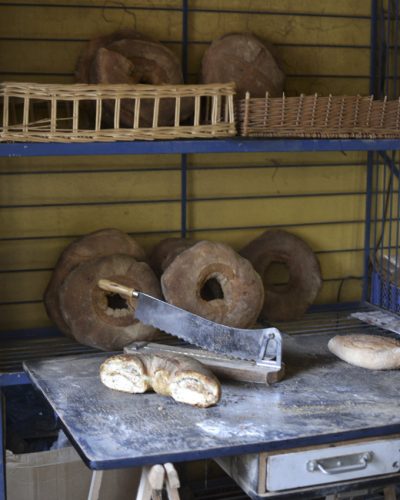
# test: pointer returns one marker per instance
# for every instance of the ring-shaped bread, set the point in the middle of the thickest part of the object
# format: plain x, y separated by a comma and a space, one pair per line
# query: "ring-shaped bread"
89, 51
101, 319
128, 57
166, 251
186, 284
93, 245
288, 301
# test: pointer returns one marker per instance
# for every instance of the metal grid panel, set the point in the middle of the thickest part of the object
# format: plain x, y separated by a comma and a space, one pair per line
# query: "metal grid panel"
28, 346
179, 199
383, 203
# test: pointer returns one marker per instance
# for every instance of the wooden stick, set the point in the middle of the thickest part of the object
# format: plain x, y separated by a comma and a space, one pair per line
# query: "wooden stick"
177, 111
117, 111
95, 485
196, 110
99, 103
75, 116
144, 489
156, 111
136, 115
172, 482
156, 477
53, 115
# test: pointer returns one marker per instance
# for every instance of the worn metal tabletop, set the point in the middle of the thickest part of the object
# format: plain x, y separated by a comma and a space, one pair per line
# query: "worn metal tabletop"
321, 400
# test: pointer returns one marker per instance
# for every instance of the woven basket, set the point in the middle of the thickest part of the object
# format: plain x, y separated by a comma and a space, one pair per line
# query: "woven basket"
58, 113
343, 117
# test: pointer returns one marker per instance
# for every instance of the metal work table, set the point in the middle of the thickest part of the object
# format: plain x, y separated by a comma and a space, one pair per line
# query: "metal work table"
321, 400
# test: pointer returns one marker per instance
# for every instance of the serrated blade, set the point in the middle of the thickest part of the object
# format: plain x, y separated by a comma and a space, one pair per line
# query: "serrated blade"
233, 342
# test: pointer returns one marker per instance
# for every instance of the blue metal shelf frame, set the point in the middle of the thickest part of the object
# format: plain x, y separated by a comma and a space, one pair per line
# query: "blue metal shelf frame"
382, 228
188, 146
379, 67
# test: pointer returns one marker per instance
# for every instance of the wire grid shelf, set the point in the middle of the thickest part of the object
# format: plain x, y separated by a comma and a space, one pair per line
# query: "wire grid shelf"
385, 293
82, 113
314, 116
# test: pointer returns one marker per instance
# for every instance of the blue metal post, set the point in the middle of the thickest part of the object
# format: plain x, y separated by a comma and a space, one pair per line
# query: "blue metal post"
183, 195
374, 36
367, 235
2, 450
370, 160
185, 38
396, 49
380, 50
185, 11
387, 54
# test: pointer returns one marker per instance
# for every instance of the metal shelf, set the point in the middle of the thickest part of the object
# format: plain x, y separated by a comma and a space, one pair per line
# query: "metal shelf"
17, 347
187, 146
33, 344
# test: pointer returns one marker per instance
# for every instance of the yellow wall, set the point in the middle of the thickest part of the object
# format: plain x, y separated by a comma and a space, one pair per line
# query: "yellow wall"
46, 202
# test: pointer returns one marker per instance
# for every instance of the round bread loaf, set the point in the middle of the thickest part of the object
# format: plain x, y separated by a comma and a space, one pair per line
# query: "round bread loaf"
97, 244
368, 351
244, 59
183, 378
210, 279
166, 251
89, 51
102, 319
287, 301
130, 57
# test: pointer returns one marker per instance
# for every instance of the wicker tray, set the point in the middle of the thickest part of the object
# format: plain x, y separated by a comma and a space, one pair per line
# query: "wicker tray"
313, 116
74, 113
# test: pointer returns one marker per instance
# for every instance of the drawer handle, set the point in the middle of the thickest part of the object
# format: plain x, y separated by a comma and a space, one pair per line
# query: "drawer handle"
339, 465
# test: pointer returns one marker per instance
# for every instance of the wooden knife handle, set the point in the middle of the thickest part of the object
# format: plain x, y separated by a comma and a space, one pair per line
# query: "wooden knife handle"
111, 286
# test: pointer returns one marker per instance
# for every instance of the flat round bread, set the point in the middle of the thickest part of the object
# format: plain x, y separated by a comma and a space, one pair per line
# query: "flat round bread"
368, 351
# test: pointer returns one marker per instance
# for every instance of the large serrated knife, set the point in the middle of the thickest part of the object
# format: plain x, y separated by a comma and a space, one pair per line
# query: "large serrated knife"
259, 345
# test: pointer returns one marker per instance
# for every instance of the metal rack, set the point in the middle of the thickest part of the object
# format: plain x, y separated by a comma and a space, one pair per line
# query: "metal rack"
381, 270
185, 11
382, 234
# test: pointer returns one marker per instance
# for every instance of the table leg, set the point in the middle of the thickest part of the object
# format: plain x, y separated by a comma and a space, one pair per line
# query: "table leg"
144, 490
153, 479
95, 485
389, 492
3, 494
172, 482
156, 475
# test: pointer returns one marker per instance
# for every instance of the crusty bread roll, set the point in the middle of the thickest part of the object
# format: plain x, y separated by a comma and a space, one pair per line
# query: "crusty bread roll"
368, 351
183, 378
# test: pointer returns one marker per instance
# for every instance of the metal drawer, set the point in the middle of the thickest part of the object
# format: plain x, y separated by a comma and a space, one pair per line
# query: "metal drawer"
263, 473
327, 465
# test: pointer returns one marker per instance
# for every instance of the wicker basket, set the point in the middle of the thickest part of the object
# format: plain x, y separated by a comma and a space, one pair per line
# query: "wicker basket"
59, 113
344, 117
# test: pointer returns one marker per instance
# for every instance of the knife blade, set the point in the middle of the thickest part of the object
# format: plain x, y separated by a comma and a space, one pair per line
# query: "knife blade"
256, 345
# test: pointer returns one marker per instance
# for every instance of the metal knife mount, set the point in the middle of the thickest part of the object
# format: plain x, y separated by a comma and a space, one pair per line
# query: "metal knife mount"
267, 372
246, 355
